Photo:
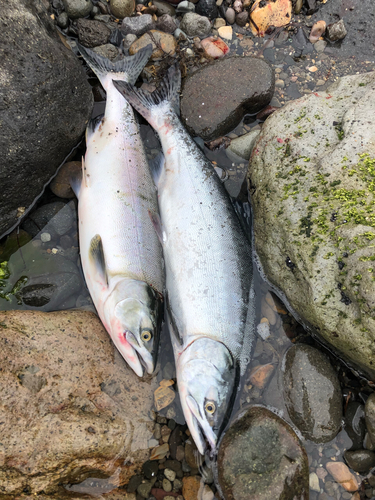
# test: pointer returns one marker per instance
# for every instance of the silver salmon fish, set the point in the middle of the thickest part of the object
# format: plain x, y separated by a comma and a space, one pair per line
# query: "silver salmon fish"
120, 252
208, 261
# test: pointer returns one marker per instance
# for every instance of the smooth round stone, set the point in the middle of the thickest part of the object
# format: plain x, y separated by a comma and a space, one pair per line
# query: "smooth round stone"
230, 15
137, 25
62, 20
122, 8
77, 8
167, 486
164, 8
360, 460
150, 468
261, 458
144, 489
184, 7
129, 40
229, 89
195, 25
242, 18
312, 393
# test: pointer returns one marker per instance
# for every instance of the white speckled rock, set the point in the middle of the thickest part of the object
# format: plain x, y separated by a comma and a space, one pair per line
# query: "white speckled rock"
312, 179
195, 25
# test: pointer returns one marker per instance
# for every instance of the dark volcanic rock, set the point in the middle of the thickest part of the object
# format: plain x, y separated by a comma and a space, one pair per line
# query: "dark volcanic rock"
216, 97
207, 8
92, 33
45, 102
312, 393
261, 458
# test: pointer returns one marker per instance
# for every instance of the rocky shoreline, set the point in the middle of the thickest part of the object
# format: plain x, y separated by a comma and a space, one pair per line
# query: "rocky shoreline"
77, 423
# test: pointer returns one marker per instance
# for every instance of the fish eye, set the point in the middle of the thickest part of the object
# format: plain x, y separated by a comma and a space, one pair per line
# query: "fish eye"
146, 335
210, 407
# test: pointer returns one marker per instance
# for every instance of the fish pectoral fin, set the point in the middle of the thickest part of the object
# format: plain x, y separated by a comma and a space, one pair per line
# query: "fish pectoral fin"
96, 255
156, 166
156, 222
75, 181
93, 126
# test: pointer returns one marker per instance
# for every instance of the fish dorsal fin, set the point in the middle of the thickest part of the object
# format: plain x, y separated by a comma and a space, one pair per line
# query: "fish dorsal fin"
156, 167
96, 255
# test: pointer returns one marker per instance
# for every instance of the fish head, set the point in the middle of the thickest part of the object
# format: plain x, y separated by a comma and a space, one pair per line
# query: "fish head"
135, 327
206, 377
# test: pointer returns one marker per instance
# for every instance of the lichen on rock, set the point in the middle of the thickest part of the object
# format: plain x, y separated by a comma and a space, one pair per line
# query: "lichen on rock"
312, 179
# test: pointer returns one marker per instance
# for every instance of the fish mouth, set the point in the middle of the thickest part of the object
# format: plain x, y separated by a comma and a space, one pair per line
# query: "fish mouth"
205, 440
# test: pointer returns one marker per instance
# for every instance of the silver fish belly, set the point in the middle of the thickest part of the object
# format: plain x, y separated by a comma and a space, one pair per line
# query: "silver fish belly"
120, 252
208, 259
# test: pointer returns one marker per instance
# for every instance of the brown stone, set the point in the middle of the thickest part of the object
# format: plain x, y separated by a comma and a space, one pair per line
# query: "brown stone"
260, 375
190, 487
165, 44
342, 475
86, 413
60, 185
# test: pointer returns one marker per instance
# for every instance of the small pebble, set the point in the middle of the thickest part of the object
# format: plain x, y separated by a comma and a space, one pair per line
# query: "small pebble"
230, 15
314, 482
167, 486
226, 32
170, 474
280, 83
45, 237
342, 475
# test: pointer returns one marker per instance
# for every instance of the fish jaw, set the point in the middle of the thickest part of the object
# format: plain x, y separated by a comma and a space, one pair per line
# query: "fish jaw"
132, 315
206, 377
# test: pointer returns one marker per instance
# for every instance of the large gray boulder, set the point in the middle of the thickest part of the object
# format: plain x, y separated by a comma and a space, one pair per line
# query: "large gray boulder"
312, 180
45, 102
71, 407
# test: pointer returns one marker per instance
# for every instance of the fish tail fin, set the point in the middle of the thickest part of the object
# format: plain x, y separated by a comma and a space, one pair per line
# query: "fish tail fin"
126, 69
167, 95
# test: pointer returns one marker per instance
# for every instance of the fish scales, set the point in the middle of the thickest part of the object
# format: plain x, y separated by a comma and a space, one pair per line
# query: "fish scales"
115, 180
205, 247
120, 251
208, 261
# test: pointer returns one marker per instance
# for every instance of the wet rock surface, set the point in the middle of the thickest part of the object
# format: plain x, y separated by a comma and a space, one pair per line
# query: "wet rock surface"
83, 431
228, 89
310, 178
253, 463
312, 393
36, 89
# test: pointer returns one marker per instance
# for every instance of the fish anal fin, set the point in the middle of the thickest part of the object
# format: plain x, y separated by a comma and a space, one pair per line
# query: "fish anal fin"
96, 255
156, 222
156, 166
